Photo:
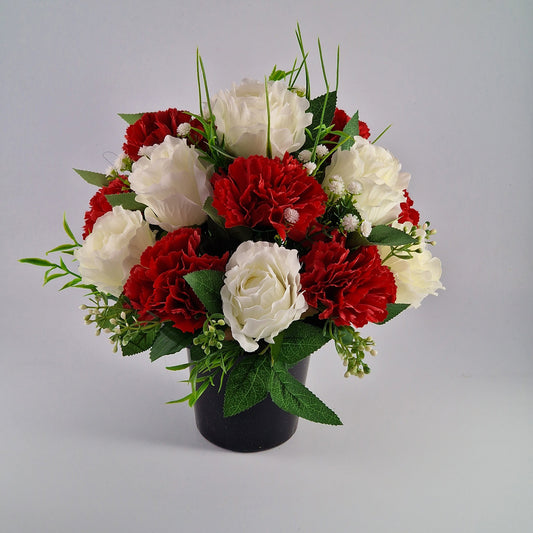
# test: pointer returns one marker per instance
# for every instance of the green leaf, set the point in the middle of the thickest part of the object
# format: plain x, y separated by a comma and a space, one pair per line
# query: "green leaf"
169, 340
291, 396
247, 384
206, 284
67, 229
213, 213
300, 339
351, 129
36, 261
131, 118
385, 235
394, 310
94, 178
61, 248
316, 106
126, 200
140, 342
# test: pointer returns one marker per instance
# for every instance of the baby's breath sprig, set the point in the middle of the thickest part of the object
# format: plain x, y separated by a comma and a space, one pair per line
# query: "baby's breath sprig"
352, 348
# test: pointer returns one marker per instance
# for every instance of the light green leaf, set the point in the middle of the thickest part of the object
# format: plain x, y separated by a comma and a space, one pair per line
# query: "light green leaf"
126, 200
351, 129
385, 235
131, 118
300, 339
94, 178
394, 310
36, 261
292, 396
169, 340
206, 284
247, 384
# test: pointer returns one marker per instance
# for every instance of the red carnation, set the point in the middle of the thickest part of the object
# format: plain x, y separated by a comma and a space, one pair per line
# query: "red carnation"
156, 286
350, 287
152, 128
340, 119
99, 204
408, 214
258, 192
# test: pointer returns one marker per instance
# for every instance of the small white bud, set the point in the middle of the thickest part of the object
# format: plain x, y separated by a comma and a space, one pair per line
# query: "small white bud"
335, 186
322, 151
184, 129
310, 167
373, 352
354, 187
349, 222
291, 215
146, 151
304, 156
123, 315
366, 228
83, 307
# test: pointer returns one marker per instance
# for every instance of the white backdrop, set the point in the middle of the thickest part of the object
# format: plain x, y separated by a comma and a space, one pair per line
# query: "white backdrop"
438, 438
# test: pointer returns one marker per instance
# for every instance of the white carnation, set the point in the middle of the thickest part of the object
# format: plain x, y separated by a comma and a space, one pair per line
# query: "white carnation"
241, 118
173, 183
114, 246
262, 294
377, 171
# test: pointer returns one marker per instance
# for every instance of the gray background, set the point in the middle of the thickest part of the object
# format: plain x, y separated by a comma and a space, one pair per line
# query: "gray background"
438, 438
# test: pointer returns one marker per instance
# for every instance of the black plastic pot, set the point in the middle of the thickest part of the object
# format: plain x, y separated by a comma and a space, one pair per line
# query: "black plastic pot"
259, 428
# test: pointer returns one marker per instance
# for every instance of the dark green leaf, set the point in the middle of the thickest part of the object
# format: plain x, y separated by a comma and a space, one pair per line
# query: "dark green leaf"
213, 213
131, 118
140, 342
394, 310
300, 339
94, 178
169, 340
385, 235
126, 200
247, 384
351, 129
291, 396
316, 106
206, 284
36, 261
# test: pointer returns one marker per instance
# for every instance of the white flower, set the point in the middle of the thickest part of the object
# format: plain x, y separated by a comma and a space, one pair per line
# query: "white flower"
173, 183
291, 215
378, 173
304, 156
114, 246
262, 294
184, 129
366, 228
335, 186
322, 151
310, 167
241, 118
416, 277
349, 222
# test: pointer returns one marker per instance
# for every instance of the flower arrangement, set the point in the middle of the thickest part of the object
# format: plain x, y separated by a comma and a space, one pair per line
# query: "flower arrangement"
252, 233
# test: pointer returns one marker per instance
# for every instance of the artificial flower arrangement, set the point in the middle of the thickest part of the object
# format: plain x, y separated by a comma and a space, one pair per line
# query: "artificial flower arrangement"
252, 233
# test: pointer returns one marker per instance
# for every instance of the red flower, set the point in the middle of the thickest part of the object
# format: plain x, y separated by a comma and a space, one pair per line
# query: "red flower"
340, 119
408, 214
156, 285
350, 287
152, 128
99, 204
258, 192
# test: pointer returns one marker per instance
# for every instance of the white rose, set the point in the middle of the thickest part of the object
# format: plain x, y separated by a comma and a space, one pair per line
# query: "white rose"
378, 173
173, 183
241, 118
262, 294
416, 277
114, 246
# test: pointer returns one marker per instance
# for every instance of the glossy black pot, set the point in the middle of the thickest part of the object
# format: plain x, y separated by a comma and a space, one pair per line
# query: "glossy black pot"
259, 428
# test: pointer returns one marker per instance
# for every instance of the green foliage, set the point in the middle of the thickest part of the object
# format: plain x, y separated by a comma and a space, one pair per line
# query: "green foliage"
295, 398
131, 118
247, 384
385, 235
206, 284
126, 200
394, 310
94, 178
169, 340
213, 333
351, 130
300, 340
138, 340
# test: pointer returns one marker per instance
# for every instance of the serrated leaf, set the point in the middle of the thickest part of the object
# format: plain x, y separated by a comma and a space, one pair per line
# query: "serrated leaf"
351, 129
169, 340
300, 339
94, 178
36, 261
206, 284
126, 200
131, 118
315, 107
387, 236
295, 398
394, 310
140, 342
247, 384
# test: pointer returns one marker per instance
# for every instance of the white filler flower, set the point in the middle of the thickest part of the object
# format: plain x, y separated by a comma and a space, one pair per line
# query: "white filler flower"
114, 246
241, 118
262, 294
378, 173
173, 183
